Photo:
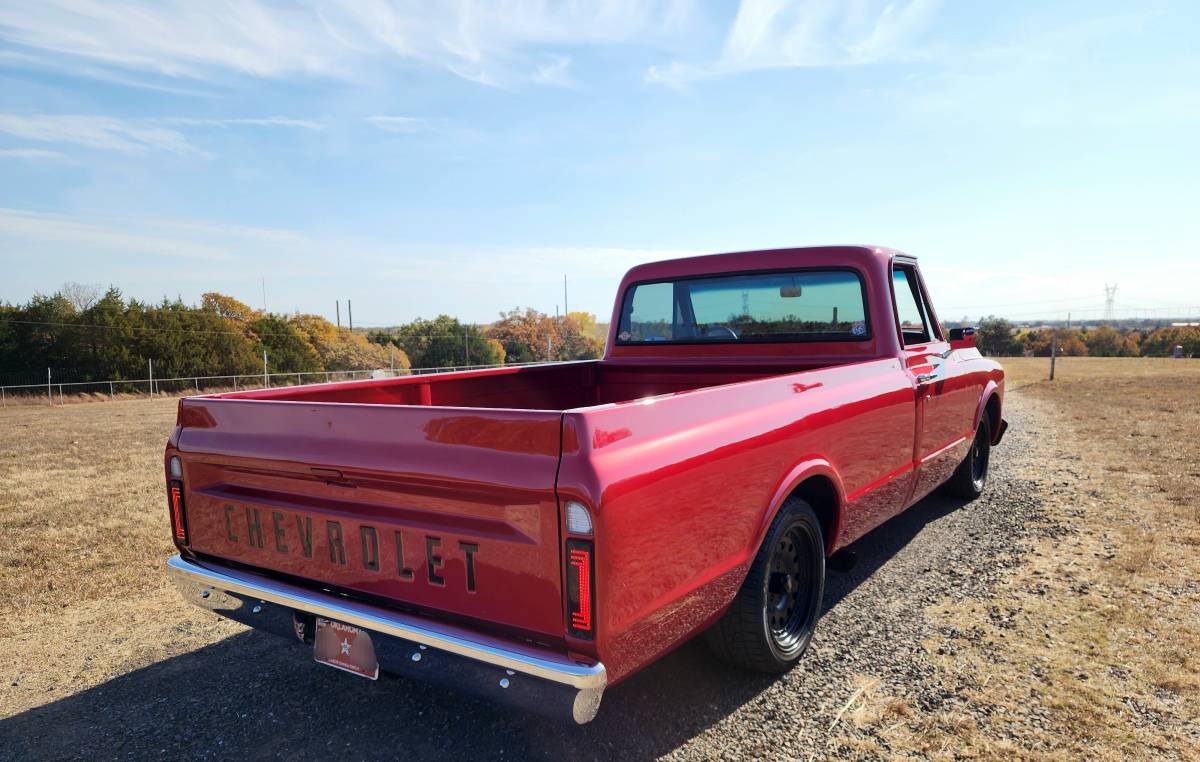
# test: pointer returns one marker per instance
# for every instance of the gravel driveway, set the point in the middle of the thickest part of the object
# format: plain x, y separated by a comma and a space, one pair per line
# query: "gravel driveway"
246, 697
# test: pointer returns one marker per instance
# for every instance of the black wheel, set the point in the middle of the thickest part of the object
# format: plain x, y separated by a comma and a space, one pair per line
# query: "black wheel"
970, 477
771, 621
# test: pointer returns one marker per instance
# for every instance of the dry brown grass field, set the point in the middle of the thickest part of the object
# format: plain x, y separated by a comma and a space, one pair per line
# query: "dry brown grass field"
1090, 647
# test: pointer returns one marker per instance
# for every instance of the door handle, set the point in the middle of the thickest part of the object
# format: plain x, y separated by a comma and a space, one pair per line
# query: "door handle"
926, 378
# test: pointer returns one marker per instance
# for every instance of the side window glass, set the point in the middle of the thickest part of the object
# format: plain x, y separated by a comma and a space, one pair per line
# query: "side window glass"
652, 315
914, 323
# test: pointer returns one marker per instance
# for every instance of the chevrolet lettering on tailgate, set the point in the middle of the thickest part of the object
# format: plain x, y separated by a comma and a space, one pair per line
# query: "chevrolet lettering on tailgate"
292, 533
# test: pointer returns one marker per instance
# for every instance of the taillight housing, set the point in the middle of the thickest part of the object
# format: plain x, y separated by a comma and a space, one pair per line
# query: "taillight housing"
175, 503
581, 588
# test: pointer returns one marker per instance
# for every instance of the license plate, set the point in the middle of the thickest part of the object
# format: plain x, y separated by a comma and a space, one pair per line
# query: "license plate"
345, 647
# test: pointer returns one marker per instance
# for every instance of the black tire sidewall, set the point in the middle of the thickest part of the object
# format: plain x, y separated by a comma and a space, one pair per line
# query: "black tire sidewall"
983, 437
796, 513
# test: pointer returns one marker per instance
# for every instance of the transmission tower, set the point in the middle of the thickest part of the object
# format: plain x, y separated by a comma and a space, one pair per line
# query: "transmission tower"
1110, 298
745, 302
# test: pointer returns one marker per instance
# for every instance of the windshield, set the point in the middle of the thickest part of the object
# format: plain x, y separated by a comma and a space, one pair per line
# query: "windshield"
802, 305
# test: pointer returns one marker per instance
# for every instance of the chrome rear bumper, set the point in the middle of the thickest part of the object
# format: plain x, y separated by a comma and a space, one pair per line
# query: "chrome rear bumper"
406, 645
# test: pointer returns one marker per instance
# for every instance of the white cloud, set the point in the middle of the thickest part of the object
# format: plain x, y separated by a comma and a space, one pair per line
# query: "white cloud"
399, 123
100, 237
500, 264
99, 132
30, 153
271, 121
556, 71
481, 40
149, 257
771, 34
1051, 71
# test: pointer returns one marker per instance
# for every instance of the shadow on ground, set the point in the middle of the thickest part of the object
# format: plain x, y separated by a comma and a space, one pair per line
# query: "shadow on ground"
248, 697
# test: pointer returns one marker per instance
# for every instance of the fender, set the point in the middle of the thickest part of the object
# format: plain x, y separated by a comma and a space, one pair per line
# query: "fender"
805, 469
989, 389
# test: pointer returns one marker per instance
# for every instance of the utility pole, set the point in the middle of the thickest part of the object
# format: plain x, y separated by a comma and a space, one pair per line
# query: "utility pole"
566, 309
338, 307
264, 285
1110, 298
350, 313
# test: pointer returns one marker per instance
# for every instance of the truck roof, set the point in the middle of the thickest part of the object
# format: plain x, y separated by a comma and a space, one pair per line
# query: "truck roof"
760, 259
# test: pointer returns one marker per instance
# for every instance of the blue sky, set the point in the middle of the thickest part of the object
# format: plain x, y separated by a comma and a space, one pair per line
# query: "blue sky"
461, 160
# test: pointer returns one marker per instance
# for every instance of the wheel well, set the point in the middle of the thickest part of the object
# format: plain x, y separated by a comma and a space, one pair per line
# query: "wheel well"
819, 492
992, 411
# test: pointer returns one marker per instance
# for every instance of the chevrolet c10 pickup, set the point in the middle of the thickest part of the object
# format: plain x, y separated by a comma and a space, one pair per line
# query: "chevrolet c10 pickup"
535, 534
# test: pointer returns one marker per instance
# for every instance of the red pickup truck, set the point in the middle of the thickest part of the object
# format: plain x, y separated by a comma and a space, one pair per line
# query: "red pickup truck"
538, 533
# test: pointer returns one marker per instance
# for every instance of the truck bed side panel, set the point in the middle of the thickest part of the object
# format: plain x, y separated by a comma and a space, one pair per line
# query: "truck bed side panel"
683, 485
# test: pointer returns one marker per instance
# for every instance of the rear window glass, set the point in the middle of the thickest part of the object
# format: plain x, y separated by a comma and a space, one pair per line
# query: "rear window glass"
806, 305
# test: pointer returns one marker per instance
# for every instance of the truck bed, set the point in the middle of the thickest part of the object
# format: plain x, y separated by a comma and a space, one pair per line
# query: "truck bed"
555, 386
436, 493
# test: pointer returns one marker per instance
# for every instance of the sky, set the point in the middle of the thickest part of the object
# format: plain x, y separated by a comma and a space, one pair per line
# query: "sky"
462, 157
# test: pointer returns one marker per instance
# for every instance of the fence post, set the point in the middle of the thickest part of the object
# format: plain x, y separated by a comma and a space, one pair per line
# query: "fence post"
151, 377
1053, 352
61, 401
266, 376
298, 381
3, 399
49, 394
110, 391
235, 383
197, 382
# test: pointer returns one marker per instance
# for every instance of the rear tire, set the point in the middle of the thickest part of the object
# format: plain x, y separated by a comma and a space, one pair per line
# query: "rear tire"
970, 478
771, 620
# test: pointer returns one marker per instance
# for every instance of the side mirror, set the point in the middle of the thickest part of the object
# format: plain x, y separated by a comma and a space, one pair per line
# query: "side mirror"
962, 338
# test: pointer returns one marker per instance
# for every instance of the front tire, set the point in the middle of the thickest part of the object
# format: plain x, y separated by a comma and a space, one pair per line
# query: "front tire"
771, 620
970, 478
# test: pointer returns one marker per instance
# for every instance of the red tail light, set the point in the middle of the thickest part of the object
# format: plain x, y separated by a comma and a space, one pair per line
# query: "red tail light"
581, 594
178, 516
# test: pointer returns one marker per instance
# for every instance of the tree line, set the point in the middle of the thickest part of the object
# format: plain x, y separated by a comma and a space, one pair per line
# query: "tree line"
84, 334
999, 337
519, 336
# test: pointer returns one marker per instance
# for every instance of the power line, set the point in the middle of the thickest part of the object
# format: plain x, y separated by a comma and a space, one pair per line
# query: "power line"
1023, 304
1163, 312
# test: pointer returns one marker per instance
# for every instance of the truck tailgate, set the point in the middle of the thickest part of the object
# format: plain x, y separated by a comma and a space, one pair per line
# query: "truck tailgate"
448, 510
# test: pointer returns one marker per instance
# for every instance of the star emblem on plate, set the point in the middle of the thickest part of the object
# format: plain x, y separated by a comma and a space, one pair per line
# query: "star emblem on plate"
345, 646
